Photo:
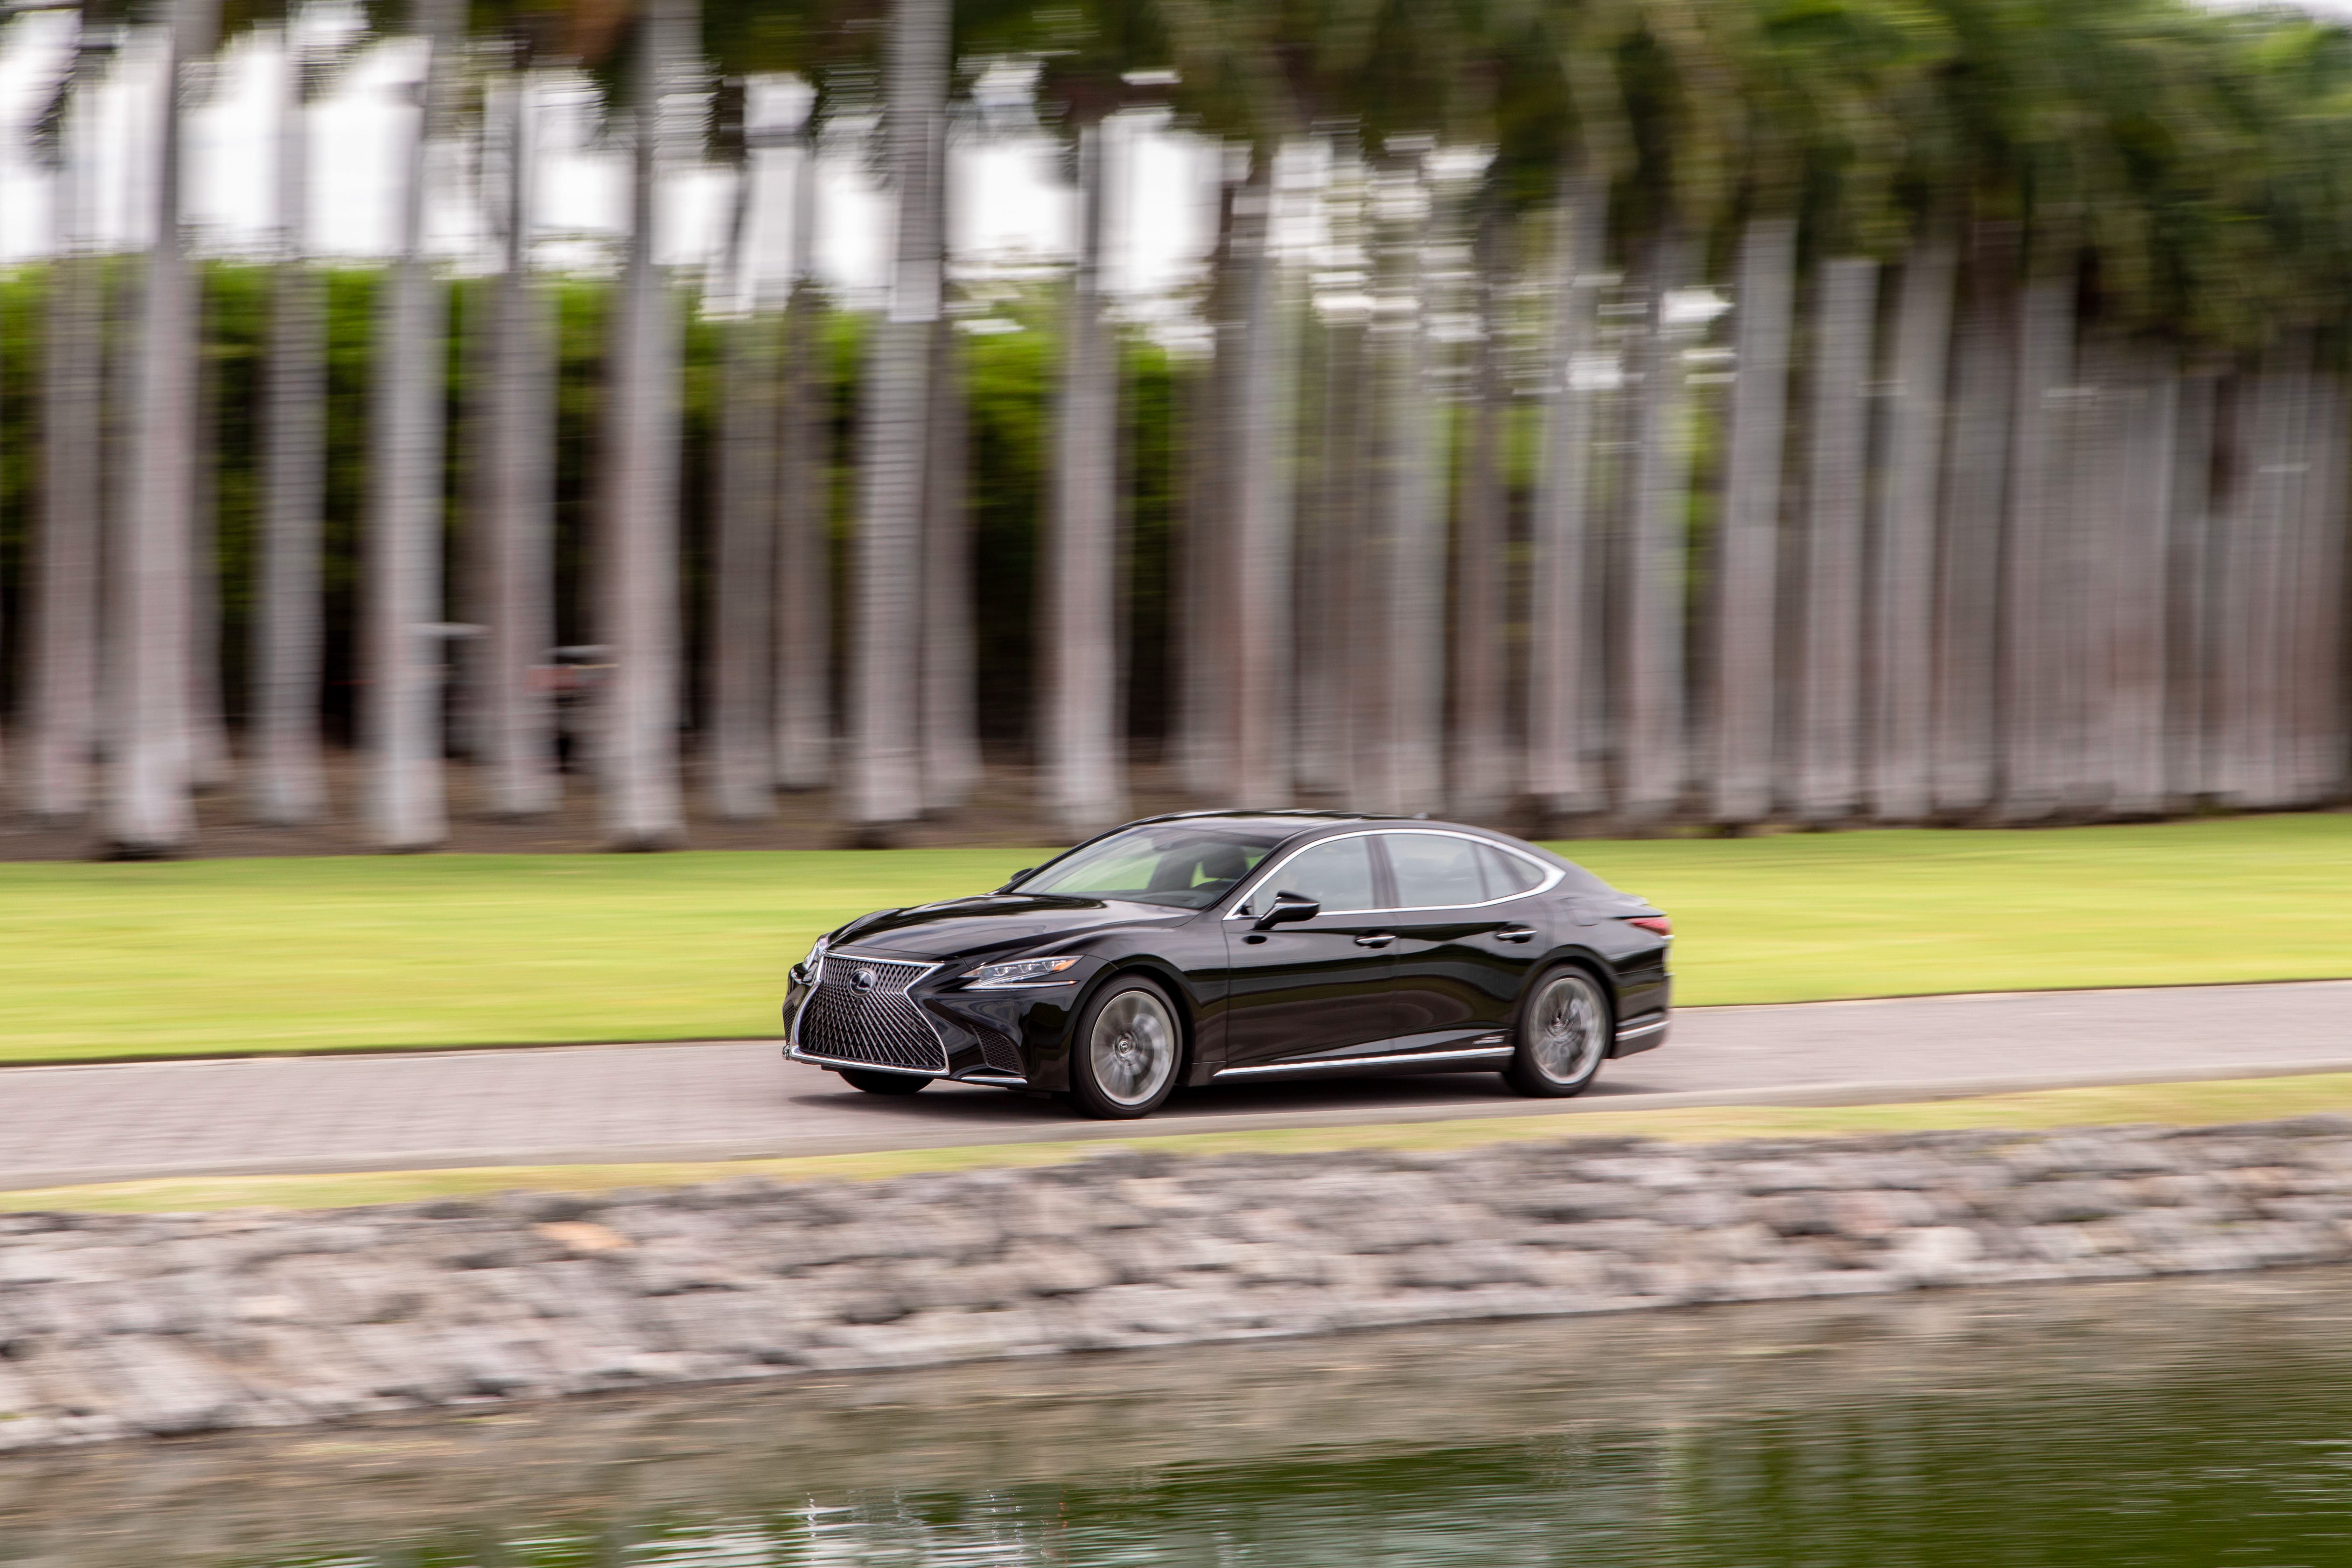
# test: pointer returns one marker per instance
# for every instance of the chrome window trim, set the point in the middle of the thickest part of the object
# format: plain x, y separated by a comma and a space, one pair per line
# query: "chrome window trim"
1553, 875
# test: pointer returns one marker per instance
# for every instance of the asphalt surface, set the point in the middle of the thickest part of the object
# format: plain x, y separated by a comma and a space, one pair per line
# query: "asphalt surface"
735, 1099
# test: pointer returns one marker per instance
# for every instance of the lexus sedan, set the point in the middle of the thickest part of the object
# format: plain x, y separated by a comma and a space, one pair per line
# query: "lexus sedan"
1235, 947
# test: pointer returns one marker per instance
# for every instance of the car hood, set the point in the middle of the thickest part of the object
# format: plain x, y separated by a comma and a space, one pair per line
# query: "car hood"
994, 923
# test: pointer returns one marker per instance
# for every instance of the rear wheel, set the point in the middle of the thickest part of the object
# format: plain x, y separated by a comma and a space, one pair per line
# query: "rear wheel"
883, 1083
1564, 1035
1127, 1047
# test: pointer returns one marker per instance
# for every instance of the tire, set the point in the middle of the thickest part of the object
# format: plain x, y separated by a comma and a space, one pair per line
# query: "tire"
1126, 1051
883, 1083
1561, 1035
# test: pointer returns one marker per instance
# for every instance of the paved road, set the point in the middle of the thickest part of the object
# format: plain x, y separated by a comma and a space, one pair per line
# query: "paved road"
734, 1099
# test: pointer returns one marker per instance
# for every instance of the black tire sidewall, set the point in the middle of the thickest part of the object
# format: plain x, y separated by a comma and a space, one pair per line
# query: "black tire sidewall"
1522, 1073
1085, 1095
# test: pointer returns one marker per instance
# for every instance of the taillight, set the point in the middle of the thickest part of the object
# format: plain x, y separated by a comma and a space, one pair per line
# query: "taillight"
1658, 924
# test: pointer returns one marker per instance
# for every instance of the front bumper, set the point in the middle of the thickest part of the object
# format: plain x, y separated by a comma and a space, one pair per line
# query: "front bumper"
1008, 1039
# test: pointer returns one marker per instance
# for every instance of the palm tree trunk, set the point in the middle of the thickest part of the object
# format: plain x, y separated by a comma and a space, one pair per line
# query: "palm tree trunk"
2188, 665
2268, 445
740, 777
2324, 587
2088, 586
65, 695
517, 714
1407, 564
406, 808
2291, 611
286, 785
951, 763
1206, 717
1656, 753
1351, 636
1086, 776
1829, 697
1562, 673
1481, 775
2033, 760
147, 808
2136, 560
885, 783
1975, 479
1904, 593
1747, 551
638, 591
1261, 539
210, 765
803, 540
1315, 577
2237, 515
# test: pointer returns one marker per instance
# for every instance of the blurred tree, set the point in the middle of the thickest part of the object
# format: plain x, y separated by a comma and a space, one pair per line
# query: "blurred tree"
149, 762
62, 737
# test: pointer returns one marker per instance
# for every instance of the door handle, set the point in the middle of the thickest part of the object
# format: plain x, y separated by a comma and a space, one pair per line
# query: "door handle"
1517, 934
1382, 940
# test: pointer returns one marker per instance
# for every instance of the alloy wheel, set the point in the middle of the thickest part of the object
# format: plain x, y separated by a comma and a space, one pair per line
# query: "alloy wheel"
1565, 1026
1133, 1047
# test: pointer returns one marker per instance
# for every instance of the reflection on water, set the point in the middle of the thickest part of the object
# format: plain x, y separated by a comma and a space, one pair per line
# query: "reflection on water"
2201, 1423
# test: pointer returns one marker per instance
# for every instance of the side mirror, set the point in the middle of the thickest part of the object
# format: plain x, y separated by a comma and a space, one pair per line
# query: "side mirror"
1288, 906
1016, 877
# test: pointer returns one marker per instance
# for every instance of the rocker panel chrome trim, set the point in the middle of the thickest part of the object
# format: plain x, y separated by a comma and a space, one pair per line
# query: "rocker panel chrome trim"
1482, 1053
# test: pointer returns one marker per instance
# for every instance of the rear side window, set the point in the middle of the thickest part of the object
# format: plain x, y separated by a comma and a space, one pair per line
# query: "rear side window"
1337, 874
1506, 874
1436, 870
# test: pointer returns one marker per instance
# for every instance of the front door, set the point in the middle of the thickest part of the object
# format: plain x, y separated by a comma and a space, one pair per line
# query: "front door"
1465, 942
1316, 987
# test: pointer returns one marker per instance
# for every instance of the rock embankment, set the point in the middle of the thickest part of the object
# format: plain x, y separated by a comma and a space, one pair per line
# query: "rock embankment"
122, 1325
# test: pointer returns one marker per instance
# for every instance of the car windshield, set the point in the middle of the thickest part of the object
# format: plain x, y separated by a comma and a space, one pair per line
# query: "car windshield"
1189, 865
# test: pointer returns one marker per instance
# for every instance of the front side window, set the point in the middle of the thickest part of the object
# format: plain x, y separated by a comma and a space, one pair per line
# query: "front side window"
1185, 865
1336, 873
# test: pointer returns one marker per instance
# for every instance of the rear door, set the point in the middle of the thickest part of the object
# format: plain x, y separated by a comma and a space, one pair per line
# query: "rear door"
1311, 988
1466, 935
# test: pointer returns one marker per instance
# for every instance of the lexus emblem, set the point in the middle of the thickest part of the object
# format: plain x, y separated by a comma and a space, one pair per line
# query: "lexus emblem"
864, 980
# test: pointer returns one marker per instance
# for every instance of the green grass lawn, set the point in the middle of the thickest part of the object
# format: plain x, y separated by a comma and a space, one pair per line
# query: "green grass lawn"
211, 955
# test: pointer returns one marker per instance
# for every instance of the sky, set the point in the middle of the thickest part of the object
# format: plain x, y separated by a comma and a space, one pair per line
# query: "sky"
1011, 205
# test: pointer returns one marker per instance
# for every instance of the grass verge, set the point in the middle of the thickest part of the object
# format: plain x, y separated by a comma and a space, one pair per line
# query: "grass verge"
326, 954
2174, 1104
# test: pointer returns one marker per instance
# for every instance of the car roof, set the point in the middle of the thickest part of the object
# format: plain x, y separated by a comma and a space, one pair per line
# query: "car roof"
1302, 821
1281, 819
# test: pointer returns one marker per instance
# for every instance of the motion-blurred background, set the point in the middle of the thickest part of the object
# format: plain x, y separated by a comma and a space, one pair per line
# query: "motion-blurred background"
1602, 416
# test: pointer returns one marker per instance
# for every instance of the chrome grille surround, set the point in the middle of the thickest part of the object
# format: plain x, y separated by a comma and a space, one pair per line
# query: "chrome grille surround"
882, 1027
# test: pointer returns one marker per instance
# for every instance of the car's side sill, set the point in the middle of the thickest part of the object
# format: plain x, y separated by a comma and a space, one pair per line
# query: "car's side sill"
1349, 1064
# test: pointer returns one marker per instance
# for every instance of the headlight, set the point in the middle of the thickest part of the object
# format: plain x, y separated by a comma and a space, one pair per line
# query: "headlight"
1019, 972
806, 969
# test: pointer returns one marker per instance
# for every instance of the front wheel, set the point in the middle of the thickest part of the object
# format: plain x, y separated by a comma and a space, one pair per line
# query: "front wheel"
1563, 1036
1127, 1047
883, 1083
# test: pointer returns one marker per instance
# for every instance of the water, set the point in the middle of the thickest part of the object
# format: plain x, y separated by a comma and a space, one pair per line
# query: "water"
2204, 1423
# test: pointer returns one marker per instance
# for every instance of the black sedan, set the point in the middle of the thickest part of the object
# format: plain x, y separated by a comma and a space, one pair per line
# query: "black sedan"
1221, 947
